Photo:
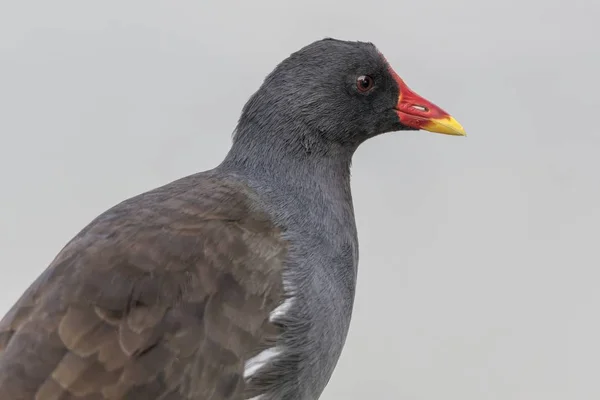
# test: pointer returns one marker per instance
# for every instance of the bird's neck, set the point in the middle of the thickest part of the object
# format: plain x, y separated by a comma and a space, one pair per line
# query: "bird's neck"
290, 157
305, 187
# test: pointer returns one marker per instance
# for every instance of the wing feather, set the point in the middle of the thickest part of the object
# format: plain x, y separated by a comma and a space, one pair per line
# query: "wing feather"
163, 296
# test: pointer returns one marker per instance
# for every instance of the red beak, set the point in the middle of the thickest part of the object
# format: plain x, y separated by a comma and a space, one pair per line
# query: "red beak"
416, 112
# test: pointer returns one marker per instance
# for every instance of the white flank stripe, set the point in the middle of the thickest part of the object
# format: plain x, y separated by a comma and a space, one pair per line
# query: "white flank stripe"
258, 361
282, 309
255, 363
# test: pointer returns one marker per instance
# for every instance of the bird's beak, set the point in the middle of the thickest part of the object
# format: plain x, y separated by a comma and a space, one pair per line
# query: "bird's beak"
416, 112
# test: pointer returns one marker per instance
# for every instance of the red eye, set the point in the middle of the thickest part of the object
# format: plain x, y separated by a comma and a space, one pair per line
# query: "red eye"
364, 83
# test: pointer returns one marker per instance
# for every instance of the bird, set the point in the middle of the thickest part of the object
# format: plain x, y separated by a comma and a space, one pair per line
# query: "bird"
236, 282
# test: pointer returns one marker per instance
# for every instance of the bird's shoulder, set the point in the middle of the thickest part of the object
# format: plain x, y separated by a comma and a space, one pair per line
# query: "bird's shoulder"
173, 283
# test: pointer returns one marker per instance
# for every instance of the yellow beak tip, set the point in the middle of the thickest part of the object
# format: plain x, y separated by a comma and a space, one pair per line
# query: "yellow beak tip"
447, 126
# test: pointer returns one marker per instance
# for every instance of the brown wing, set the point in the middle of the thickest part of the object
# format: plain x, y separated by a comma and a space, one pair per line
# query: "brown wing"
162, 297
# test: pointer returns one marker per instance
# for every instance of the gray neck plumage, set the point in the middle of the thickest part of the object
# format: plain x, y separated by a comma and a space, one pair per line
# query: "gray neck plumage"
305, 180
286, 148
278, 139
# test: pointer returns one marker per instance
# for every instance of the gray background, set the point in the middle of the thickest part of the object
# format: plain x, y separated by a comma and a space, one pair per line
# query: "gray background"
479, 258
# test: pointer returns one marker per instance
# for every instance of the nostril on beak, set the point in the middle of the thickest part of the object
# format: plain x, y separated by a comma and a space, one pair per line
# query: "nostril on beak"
420, 108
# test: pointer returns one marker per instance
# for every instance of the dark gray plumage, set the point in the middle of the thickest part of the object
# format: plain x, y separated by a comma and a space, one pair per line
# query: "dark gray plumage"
233, 283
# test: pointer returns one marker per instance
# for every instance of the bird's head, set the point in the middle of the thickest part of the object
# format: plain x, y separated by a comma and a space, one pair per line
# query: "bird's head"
345, 92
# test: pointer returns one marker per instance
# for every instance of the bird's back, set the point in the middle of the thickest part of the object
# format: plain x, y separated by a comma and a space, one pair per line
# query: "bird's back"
164, 296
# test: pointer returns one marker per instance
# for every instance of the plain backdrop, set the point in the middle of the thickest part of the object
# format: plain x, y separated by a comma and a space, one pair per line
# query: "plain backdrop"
479, 267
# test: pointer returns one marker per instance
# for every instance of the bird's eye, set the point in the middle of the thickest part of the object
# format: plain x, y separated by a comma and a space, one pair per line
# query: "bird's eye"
364, 83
